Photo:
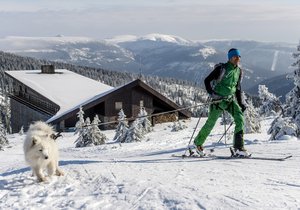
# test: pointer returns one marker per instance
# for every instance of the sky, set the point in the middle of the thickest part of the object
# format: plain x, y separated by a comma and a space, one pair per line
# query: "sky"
260, 20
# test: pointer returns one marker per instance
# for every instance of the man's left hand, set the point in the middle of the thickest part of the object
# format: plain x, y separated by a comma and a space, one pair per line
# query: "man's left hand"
243, 107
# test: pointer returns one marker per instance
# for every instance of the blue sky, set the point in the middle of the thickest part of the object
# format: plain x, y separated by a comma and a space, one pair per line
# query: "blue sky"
261, 20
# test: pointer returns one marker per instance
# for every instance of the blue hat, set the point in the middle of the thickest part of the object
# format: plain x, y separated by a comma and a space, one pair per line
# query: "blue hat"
233, 52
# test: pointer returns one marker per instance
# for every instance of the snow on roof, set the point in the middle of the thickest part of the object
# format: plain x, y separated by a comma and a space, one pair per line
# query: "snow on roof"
65, 88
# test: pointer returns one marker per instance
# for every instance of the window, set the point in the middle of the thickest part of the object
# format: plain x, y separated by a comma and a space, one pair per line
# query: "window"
141, 103
118, 105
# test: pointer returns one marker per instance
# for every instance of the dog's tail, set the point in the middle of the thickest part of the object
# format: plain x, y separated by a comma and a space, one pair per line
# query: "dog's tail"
55, 136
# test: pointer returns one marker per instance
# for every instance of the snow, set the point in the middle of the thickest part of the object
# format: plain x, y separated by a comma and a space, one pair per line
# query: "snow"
36, 44
122, 38
61, 85
206, 52
144, 175
165, 38
152, 37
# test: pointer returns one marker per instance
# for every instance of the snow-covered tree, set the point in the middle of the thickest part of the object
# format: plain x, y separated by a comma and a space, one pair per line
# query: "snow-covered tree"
80, 123
135, 132
21, 132
292, 108
252, 117
90, 134
121, 128
81, 128
283, 126
5, 110
3, 138
96, 135
144, 121
226, 118
177, 126
289, 124
271, 105
84, 138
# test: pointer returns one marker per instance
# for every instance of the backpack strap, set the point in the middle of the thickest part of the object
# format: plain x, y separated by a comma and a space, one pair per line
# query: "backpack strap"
222, 72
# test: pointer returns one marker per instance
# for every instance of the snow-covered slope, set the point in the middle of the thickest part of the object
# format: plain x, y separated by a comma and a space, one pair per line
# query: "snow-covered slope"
145, 176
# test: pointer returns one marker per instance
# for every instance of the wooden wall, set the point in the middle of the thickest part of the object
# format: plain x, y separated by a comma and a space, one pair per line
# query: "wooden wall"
22, 115
31, 96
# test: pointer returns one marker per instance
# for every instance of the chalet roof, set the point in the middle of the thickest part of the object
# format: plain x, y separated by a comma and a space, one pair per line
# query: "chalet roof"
64, 88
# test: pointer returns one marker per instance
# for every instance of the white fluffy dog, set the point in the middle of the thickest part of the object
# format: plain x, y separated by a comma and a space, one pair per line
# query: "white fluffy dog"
41, 151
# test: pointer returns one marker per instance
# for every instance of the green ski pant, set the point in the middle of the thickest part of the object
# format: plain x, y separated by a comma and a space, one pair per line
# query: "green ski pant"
215, 110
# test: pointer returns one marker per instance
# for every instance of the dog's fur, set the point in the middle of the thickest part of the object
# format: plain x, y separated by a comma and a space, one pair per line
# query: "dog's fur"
41, 151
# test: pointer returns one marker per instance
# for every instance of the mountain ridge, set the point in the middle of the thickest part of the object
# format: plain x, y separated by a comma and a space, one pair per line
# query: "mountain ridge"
159, 55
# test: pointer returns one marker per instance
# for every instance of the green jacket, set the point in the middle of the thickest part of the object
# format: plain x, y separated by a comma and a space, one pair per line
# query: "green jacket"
227, 85
227, 81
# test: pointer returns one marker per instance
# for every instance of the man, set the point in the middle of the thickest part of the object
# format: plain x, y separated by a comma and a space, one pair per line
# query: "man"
227, 91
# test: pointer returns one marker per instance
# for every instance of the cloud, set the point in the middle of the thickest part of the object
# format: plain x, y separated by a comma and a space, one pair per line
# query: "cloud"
192, 19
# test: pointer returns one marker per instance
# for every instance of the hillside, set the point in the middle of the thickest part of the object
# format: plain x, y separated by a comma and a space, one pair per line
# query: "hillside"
182, 92
144, 175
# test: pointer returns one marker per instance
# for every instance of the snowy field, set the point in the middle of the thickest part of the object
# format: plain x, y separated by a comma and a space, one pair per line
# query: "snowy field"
144, 175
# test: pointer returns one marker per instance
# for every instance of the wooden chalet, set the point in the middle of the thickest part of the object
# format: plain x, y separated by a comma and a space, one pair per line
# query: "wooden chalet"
30, 102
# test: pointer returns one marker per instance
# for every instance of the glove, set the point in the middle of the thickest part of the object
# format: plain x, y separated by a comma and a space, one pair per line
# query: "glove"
214, 96
243, 107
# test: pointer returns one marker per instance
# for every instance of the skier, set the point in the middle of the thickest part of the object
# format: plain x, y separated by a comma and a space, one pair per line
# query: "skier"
226, 89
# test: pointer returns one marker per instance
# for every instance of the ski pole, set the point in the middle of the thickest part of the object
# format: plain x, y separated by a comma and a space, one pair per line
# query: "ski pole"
188, 147
213, 149
224, 121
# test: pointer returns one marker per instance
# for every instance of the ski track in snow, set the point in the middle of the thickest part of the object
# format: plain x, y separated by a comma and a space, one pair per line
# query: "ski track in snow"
275, 59
144, 175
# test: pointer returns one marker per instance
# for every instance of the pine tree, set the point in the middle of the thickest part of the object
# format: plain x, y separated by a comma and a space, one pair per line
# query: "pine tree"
144, 121
135, 132
252, 117
21, 132
121, 128
177, 126
271, 105
226, 118
97, 136
289, 124
5, 107
3, 138
90, 134
283, 126
84, 139
80, 123
81, 130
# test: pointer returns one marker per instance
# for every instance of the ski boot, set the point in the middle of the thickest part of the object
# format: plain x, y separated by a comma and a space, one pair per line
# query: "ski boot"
200, 151
239, 152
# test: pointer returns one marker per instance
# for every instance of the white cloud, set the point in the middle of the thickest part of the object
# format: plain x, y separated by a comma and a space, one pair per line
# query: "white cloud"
192, 19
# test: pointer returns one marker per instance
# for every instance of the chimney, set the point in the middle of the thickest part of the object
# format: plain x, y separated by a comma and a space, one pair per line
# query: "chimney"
48, 69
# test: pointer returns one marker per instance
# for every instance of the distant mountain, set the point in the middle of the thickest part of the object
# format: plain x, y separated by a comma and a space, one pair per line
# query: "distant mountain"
157, 54
76, 50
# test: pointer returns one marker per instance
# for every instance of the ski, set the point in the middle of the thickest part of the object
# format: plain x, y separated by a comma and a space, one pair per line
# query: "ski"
211, 156
192, 156
256, 158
